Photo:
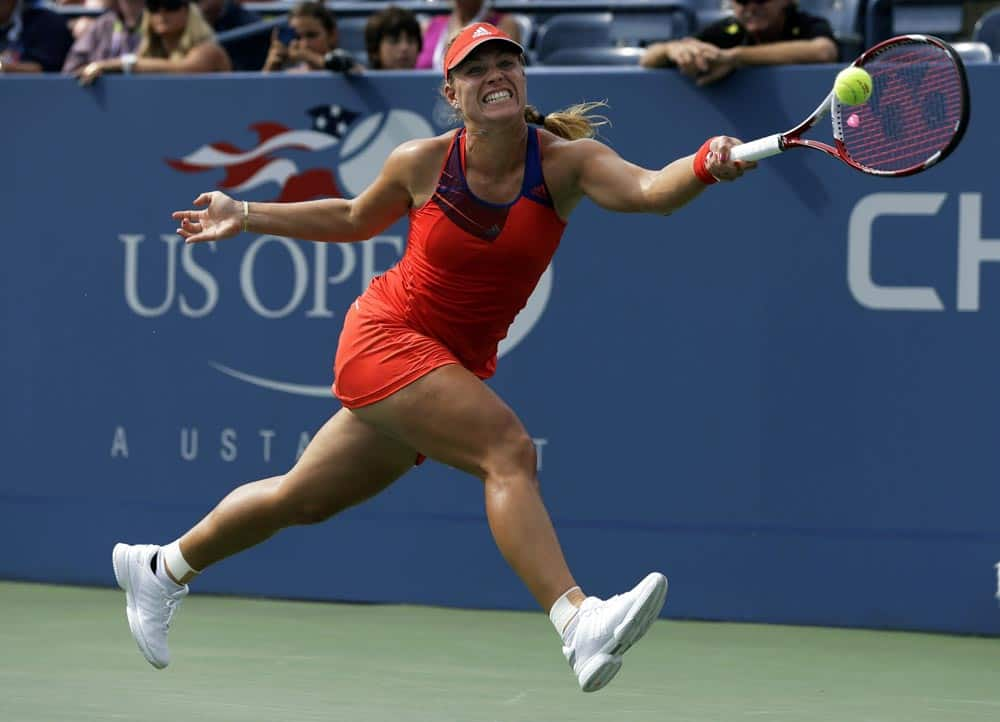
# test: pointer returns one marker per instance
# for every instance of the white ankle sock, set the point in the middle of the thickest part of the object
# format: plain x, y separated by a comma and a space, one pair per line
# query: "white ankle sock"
563, 615
171, 557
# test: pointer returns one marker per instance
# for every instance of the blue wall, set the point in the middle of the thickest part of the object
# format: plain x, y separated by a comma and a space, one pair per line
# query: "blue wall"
784, 396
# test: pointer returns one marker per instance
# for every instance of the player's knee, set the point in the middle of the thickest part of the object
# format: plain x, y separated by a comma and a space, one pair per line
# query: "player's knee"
513, 459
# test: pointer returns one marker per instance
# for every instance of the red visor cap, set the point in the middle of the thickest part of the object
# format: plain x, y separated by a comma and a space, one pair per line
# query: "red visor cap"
471, 38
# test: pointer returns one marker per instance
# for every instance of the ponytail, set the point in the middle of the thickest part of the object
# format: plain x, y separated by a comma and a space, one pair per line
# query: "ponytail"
571, 123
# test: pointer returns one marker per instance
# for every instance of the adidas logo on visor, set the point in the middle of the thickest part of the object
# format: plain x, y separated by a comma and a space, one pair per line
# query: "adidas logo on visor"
480, 32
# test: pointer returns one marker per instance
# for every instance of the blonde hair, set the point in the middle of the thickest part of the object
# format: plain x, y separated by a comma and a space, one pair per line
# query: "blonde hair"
196, 31
570, 123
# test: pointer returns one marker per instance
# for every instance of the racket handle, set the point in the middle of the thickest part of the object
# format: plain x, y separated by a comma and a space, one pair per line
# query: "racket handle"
757, 149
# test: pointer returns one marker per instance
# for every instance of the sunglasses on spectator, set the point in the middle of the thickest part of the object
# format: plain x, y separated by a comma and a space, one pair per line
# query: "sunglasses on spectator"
169, 5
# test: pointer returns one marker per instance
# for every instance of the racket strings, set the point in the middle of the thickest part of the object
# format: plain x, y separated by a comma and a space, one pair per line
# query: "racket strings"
919, 143
914, 111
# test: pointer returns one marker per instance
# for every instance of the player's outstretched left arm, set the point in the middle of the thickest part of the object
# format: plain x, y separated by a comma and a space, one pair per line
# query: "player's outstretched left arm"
386, 200
618, 185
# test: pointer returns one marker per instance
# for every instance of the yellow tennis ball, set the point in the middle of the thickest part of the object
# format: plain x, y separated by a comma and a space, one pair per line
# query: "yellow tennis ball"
853, 86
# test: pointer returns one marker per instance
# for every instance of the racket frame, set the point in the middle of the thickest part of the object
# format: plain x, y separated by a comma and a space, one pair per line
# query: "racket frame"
780, 142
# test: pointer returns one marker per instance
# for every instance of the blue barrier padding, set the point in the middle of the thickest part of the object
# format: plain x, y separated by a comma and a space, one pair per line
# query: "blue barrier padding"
784, 396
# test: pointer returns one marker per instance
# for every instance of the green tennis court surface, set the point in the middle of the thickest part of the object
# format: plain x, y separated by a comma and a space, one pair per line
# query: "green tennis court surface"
66, 654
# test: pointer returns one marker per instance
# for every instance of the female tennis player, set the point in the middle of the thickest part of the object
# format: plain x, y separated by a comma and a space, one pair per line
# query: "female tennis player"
487, 206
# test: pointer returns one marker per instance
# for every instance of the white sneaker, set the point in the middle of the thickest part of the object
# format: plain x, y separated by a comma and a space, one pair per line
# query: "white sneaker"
606, 629
149, 602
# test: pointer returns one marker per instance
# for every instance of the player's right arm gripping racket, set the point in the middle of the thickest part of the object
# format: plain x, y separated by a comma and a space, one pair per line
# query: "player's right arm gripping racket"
915, 117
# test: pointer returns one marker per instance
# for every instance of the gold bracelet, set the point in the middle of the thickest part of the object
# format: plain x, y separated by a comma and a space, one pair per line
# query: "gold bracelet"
246, 216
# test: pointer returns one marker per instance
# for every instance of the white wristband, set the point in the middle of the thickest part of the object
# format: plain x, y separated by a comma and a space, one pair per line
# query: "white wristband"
246, 216
128, 62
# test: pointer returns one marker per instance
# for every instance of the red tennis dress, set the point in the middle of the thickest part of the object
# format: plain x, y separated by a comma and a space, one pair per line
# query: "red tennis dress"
469, 267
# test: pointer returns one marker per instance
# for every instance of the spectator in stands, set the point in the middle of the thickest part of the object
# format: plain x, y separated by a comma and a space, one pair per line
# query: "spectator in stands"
79, 26
314, 45
442, 28
113, 34
32, 39
175, 39
393, 39
759, 32
247, 53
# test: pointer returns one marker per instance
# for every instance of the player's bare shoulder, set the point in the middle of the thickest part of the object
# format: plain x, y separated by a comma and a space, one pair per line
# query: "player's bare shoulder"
562, 159
562, 165
423, 150
417, 163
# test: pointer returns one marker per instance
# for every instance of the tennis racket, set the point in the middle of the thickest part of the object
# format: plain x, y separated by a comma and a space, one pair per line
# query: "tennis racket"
915, 117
